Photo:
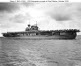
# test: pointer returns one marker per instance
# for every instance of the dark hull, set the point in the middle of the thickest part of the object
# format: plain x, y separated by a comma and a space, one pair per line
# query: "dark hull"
54, 34
47, 37
44, 36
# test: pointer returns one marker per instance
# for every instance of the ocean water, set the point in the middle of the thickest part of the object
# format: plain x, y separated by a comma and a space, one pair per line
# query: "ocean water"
23, 52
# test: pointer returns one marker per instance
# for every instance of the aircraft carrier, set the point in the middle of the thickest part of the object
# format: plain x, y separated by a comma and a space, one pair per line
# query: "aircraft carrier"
33, 32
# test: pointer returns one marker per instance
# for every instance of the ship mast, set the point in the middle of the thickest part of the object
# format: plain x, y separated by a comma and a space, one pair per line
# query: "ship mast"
36, 23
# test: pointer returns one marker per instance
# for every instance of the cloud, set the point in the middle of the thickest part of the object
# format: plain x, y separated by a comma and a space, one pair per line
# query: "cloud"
9, 17
9, 7
60, 17
12, 7
60, 12
20, 18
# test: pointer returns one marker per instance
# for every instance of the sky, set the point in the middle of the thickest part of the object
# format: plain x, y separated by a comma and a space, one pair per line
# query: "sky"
48, 15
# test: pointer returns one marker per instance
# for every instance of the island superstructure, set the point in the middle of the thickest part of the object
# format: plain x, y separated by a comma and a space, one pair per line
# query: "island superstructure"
32, 31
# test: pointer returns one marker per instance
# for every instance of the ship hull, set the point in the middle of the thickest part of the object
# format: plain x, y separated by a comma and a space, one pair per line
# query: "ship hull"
45, 37
68, 34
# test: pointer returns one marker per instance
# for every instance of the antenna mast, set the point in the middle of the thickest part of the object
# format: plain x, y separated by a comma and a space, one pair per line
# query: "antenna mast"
36, 23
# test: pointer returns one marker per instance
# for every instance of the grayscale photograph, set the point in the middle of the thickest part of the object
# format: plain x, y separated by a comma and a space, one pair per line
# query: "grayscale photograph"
40, 33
